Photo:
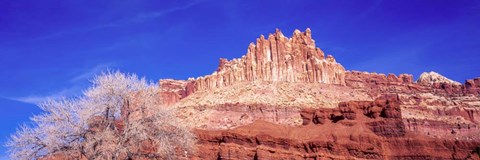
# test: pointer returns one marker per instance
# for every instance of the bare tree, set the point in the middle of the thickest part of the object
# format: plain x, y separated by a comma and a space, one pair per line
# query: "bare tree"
119, 117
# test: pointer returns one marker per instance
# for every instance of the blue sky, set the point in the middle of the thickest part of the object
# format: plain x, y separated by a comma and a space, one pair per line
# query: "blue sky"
51, 48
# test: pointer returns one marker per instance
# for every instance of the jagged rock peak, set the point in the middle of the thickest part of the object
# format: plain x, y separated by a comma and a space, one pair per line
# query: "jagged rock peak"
429, 78
277, 58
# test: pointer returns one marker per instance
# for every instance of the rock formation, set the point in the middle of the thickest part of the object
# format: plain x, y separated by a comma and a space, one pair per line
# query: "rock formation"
354, 130
240, 115
172, 90
472, 86
430, 78
286, 100
277, 58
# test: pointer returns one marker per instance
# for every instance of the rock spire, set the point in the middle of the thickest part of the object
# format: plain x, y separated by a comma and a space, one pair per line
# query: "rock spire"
277, 58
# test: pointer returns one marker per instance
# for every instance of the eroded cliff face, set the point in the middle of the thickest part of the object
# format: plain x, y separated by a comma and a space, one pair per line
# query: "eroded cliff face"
277, 58
472, 86
274, 59
173, 90
430, 78
433, 83
374, 116
371, 116
353, 130
265, 113
286, 100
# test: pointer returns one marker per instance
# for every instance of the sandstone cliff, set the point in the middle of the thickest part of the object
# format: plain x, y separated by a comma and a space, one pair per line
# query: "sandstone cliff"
276, 59
354, 130
286, 100
172, 90
430, 78
472, 86
366, 115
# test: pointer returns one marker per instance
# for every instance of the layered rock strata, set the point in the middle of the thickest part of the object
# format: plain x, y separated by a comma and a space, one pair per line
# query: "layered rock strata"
354, 130
173, 90
275, 59
433, 83
285, 100
472, 86
430, 78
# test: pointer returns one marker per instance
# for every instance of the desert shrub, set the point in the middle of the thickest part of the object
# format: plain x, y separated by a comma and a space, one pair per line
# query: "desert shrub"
119, 117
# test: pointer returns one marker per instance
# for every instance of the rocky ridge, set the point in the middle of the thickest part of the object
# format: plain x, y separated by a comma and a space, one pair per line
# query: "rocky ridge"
430, 78
275, 59
286, 100
354, 130
263, 117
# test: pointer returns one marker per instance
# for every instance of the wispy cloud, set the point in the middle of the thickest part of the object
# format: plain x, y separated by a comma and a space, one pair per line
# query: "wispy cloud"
138, 18
369, 10
72, 31
77, 85
142, 17
36, 99
88, 74
28, 99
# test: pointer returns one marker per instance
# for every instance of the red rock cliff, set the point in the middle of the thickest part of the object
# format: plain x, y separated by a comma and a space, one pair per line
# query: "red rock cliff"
172, 90
354, 130
277, 58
